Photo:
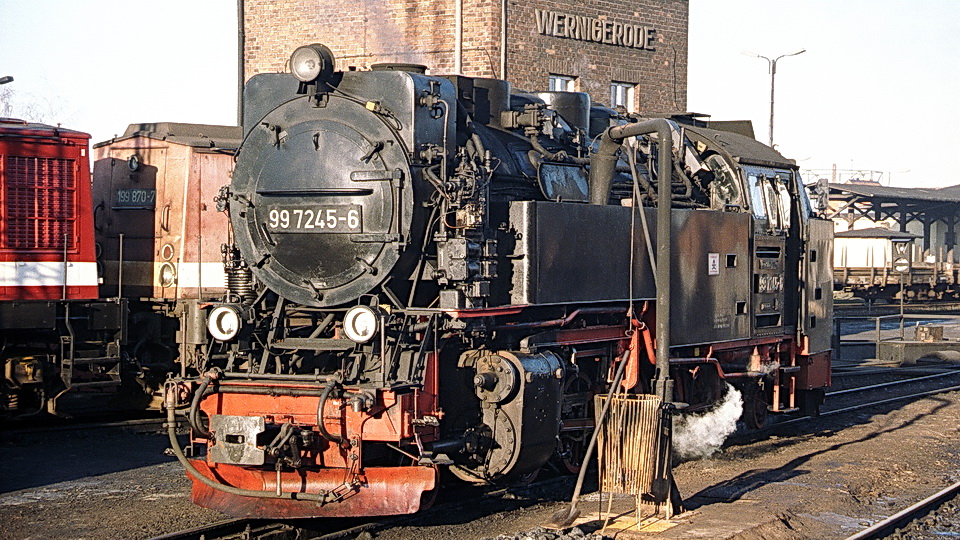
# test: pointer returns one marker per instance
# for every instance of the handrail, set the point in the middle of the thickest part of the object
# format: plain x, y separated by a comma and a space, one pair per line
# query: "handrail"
878, 328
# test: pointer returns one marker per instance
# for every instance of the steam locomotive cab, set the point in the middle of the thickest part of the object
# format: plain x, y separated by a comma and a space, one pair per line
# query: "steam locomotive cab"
425, 272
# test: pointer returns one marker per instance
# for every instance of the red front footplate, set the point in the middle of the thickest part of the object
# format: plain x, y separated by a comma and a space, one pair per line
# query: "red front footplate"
382, 491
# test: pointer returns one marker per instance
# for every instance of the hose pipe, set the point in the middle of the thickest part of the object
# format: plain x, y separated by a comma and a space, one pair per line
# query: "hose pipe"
194, 416
323, 401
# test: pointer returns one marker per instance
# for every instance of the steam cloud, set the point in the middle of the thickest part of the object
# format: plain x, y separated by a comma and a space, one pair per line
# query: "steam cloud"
699, 436
769, 368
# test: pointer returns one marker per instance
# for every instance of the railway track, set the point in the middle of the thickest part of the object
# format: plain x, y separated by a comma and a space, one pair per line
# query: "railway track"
903, 518
952, 377
851, 371
462, 498
247, 529
938, 374
918, 383
236, 529
137, 424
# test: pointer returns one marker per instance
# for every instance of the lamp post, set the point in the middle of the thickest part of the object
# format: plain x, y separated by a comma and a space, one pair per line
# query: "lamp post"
772, 65
5, 79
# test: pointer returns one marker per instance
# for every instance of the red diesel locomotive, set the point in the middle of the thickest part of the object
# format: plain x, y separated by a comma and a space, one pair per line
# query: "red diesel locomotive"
57, 334
88, 262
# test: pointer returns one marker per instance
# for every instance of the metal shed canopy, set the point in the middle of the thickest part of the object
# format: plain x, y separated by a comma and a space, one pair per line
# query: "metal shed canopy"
873, 201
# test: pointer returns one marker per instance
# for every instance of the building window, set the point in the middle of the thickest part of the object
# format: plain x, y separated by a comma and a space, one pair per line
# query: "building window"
562, 83
622, 95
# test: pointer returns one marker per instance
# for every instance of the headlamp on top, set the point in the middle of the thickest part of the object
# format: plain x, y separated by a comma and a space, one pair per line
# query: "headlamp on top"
361, 323
311, 63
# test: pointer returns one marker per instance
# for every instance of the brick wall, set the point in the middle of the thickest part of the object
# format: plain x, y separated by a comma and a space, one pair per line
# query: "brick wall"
364, 32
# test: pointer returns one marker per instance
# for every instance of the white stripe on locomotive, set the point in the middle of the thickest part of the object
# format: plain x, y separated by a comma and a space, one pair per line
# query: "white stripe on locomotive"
47, 274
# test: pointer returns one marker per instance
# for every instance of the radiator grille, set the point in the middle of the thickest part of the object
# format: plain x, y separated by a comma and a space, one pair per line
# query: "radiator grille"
40, 199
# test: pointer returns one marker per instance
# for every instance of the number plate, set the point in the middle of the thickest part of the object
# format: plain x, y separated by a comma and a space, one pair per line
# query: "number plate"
340, 218
136, 198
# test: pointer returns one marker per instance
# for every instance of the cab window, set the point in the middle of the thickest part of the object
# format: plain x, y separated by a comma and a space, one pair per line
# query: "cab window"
772, 199
784, 199
756, 196
725, 190
806, 206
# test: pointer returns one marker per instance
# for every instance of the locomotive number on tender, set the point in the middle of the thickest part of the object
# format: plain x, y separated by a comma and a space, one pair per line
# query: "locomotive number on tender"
344, 218
141, 198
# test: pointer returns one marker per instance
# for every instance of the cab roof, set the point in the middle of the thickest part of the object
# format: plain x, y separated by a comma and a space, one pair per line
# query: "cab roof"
17, 127
194, 135
742, 148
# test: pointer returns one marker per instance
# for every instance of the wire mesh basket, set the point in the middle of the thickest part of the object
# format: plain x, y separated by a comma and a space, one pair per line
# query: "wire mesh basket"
627, 443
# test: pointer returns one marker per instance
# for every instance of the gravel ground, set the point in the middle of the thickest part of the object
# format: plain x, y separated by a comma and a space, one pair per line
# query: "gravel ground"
93, 484
842, 475
838, 476
824, 480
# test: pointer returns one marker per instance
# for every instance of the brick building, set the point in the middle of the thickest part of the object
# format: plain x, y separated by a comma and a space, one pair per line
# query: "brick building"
631, 53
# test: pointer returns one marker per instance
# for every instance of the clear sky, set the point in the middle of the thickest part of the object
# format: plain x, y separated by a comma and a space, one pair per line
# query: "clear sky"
99, 65
878, 87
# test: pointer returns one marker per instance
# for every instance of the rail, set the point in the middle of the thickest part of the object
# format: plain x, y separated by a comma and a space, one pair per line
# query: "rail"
889, 525
884, 328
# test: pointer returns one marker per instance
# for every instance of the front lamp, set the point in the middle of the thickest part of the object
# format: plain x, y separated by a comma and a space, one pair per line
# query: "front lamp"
168, 275
361, 323
311, 62
224, 322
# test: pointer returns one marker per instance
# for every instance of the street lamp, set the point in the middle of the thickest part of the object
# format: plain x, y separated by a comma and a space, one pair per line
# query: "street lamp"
5, 79
772, 66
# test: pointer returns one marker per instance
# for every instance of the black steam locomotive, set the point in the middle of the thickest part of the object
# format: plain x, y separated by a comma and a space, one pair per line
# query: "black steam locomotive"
437, 271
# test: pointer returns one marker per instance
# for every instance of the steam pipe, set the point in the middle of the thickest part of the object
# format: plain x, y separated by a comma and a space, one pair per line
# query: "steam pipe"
602, 166
688, 185
257, 389
245, 377
562, 321
632, 169
560, 156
